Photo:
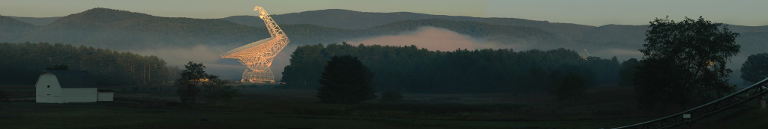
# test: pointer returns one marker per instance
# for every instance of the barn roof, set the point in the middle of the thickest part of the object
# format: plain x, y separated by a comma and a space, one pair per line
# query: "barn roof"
73, 79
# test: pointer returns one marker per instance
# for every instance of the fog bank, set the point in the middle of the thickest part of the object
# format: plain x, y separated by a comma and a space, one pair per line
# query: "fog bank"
431, 38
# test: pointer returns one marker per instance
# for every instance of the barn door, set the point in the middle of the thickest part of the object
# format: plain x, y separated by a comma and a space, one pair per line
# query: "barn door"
48, 94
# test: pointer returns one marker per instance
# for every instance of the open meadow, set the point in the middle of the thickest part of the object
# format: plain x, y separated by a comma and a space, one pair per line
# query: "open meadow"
152, 107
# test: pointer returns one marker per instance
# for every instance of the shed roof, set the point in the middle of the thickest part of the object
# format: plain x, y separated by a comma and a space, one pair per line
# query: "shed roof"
73, 79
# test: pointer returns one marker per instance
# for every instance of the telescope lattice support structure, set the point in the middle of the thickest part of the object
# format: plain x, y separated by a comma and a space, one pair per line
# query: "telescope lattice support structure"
755, 91
258, 56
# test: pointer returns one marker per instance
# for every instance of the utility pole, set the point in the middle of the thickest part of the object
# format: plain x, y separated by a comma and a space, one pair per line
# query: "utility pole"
762, 102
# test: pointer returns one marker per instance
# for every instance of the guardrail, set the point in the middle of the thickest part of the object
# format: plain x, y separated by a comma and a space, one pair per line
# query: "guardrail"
757, 90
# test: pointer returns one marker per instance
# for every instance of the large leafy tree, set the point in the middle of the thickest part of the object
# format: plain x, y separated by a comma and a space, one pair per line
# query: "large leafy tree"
570, 81
627, 72
191, 77
346, 81
683, 60
305, 67
755, 68
213, 88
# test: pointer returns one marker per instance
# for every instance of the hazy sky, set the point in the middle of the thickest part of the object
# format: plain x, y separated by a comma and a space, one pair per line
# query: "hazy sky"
589, 12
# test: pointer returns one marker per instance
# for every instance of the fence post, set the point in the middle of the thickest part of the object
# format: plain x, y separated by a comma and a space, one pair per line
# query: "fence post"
762, 103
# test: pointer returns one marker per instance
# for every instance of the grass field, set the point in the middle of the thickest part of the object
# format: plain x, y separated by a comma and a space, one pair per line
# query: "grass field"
285, 108
97, 115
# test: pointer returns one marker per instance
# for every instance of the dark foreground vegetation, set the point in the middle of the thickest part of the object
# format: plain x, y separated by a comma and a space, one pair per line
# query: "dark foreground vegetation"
31, 115
410, 69
298, 108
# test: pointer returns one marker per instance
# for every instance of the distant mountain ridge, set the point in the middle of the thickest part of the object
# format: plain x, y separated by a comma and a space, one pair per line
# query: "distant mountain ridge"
10, 28
117, 29
38, 21
348, 19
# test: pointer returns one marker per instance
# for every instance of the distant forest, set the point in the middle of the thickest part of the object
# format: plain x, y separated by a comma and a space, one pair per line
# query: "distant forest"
410, 69
24, 62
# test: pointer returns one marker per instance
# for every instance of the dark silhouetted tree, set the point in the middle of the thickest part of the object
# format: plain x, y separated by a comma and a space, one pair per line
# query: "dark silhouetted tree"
191, 77
683, 60
657, 83
58, 67
755, 68
627, 72
217, 90
346, 80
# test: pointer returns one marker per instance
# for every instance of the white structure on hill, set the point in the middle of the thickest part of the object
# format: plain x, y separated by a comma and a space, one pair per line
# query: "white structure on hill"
258, 56
62, 86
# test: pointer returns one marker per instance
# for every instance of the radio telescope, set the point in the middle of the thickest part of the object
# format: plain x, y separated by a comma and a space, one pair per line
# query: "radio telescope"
258, 56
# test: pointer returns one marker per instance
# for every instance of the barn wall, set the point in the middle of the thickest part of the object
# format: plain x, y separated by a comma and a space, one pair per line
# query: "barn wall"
106, 96
44, 94
79, 95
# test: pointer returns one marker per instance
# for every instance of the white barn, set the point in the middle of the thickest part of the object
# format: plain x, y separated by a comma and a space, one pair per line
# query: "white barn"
63, 86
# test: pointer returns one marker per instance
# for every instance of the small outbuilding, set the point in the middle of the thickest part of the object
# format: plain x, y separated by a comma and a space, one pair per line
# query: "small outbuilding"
65, 86
105, 95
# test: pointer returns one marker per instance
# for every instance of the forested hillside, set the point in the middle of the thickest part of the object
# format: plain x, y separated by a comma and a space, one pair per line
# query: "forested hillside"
348, 19
115, 29
411, 69
22, 64
11, 29
38, 21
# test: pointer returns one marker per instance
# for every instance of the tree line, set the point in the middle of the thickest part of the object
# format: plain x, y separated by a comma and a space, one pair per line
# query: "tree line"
413, 69
22, 64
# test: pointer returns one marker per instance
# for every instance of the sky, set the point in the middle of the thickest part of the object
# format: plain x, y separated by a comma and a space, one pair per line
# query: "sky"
586, 12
